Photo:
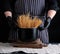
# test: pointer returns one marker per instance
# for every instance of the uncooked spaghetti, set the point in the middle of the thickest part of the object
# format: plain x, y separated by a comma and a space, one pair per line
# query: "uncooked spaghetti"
26, 21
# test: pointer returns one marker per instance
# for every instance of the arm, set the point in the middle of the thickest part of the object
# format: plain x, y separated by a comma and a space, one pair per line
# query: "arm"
7, 8
51, 13
8, 12
52, 8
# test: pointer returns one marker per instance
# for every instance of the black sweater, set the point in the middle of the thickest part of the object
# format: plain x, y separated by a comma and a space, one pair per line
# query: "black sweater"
49, 5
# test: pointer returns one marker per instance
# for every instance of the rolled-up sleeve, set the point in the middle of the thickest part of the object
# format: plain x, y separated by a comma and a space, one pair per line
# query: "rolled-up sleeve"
52, 5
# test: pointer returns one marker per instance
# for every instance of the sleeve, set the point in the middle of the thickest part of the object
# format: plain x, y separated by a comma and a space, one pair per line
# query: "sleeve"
52, 5
7, 6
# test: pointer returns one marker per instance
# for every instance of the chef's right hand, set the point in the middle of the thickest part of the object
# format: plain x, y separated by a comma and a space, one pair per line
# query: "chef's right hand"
41, 27
9, 20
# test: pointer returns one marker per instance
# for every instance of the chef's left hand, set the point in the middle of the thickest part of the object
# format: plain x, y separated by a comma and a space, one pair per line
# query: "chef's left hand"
47, 22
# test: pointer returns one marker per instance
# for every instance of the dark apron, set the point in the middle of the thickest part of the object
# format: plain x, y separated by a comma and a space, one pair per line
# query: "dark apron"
35, 8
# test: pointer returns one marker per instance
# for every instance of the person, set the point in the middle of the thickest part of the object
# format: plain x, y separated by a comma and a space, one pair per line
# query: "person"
41, 8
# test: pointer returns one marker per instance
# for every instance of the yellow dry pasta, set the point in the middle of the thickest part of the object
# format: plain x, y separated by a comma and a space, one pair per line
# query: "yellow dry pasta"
26, 21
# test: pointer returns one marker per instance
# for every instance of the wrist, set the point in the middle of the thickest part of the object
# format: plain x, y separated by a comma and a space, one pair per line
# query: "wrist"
49, 19
8, 17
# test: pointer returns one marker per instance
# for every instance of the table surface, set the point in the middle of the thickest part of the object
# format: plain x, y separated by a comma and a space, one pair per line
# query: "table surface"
51, 49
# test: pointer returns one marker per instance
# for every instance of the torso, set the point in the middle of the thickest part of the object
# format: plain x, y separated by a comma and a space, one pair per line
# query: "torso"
26, 6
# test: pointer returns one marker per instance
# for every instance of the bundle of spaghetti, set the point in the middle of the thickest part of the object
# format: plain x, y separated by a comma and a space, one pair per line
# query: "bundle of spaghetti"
26, 21
36, 22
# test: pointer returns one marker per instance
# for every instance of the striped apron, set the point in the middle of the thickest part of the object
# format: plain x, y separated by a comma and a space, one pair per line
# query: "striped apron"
35, 8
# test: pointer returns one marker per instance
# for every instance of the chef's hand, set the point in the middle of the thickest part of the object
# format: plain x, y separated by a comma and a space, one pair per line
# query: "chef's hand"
41, 27
11, 22
47, 22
